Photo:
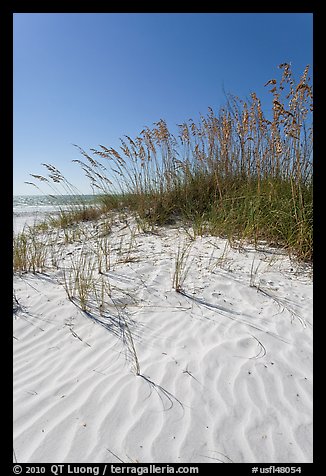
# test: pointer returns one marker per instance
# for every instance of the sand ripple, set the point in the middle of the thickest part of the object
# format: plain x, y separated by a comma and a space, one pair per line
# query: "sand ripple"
225, 369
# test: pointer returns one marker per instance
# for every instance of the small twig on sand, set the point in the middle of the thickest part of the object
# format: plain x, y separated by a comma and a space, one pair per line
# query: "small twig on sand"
77, 336
190, 374
115, 455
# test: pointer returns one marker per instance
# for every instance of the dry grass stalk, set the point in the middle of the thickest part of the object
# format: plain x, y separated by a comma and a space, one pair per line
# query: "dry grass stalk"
209, 167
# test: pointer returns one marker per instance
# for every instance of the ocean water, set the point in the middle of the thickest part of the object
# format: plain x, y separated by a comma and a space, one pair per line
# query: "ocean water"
31, 209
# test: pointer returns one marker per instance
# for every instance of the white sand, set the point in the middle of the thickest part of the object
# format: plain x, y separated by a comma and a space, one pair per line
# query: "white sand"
27, 218
225, 368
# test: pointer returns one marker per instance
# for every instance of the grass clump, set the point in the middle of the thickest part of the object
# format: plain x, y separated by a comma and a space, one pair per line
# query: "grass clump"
182, 266
239, 173
30, 252
79, 281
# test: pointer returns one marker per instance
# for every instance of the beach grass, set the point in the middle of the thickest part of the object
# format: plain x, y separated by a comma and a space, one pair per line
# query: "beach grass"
182, 266
239, 174
236, 174
30, 251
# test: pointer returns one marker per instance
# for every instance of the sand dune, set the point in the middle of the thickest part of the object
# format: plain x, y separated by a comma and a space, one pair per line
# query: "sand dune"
224, 367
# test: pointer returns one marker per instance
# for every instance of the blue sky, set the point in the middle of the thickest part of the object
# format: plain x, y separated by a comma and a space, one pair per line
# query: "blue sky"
89, 79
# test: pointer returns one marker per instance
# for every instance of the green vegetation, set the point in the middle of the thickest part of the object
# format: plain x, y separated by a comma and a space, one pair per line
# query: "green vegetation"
236, 174
30, 251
